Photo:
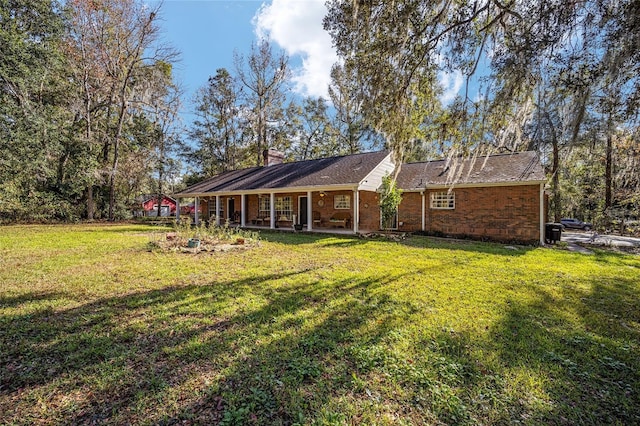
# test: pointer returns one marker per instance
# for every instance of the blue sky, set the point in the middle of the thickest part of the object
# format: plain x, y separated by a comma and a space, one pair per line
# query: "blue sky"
207, 32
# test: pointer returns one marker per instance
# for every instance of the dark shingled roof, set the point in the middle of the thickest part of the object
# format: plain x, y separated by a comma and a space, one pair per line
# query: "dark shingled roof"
503, 168
350, 169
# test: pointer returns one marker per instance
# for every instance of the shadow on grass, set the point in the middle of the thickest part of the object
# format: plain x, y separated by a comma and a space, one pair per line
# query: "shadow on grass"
288, 348
414, 241
12, 301
129, 359
589, 373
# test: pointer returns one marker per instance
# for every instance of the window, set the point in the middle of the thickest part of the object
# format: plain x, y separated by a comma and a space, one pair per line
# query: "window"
212, 208
341, 202
263, 206
443, 200
284, 208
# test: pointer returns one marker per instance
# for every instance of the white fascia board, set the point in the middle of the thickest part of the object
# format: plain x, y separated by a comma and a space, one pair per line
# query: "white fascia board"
483, 185
328, 188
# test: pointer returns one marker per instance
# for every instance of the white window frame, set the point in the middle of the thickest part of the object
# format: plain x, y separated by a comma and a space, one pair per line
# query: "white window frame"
284, 207
443, 200
264, 206
212, 208
342, 202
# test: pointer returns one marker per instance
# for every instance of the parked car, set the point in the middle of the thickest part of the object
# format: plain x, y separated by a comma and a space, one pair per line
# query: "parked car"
576, 224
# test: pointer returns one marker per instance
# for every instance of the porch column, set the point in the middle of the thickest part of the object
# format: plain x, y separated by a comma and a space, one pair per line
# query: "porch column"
542, 228
217, 210
309, 211
177, 209
356, 210
272, 210
242, 207
424, 204
196, 213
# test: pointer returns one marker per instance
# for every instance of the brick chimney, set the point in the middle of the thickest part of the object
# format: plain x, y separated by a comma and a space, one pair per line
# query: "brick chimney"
272, 157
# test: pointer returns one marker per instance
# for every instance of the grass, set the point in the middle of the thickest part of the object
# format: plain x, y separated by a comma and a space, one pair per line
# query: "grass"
312, 330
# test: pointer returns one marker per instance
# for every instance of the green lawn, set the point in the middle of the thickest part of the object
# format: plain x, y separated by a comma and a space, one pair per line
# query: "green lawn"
311, 329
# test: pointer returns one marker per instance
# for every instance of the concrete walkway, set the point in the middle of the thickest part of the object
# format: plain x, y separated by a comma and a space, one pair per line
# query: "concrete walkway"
599, 240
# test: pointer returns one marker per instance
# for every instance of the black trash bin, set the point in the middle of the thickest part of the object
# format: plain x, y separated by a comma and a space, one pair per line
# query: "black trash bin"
552, 232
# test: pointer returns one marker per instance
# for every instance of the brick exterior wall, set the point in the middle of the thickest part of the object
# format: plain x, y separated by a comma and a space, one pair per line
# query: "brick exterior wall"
369, 211
410, 212
501, 213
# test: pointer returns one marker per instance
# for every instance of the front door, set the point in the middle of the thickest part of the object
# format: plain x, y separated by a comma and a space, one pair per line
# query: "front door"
303, 217
231, 209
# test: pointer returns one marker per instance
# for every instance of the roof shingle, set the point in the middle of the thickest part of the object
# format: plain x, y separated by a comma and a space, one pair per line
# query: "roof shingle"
503, 168
346, 170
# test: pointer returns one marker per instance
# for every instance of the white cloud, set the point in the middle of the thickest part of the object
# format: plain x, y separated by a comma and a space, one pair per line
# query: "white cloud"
451, 84
296, 26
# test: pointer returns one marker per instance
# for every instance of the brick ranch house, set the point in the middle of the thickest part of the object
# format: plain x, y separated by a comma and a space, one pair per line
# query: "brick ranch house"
500, 197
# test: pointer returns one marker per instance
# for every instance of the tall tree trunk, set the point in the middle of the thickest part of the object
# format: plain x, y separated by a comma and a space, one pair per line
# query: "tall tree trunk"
261, 132
116, 153
90, 202
608, 173
112, 182
555, 182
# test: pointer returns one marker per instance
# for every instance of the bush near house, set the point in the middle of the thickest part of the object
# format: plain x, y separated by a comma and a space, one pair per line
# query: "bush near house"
312, 329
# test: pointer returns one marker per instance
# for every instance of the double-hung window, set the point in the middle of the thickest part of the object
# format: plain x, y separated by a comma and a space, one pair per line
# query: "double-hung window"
284, 208
264, 209
444, 200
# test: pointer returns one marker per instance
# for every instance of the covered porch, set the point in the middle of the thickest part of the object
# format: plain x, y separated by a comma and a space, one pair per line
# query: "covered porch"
335, 210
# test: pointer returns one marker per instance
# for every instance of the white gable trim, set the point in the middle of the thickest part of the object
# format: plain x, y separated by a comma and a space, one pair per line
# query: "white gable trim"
373, 179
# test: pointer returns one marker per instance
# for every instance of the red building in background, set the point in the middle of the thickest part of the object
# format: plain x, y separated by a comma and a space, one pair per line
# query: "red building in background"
167, 206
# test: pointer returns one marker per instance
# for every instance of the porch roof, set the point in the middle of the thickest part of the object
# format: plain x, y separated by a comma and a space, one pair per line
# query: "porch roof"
520, 167
322, 173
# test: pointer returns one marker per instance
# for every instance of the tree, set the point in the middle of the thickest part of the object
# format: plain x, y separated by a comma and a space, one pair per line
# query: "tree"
354, 135
546, 63
34, 114
159, 100
395, 50
315, 136
265, 77
116, 40
217, 130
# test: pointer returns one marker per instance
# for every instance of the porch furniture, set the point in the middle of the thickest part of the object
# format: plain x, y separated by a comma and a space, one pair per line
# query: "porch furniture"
317, 220
342, 219
262, 220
